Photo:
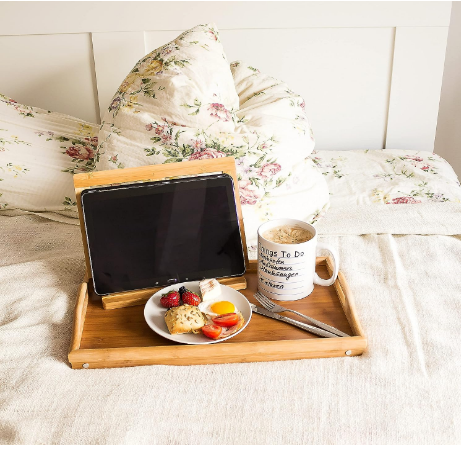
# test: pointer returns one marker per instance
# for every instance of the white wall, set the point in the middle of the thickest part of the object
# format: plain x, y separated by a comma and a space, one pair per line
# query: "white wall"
448, 138
371, 72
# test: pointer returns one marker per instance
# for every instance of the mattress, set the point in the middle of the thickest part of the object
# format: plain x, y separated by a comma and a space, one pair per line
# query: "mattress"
402, 261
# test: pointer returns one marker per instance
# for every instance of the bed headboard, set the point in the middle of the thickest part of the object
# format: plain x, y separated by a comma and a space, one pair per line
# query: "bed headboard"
371, 72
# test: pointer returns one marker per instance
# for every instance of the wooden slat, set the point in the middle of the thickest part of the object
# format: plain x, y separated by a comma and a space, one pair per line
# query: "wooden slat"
79, 315
348, 304
347, 299
416, 84
138, 297
154, 172
218, 353
78, 198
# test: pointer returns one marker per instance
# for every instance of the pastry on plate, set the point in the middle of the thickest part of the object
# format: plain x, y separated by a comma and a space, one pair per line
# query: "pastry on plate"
184, 319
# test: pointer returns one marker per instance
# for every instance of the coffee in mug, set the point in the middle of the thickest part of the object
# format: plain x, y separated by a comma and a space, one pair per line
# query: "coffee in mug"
286, 260
287, 234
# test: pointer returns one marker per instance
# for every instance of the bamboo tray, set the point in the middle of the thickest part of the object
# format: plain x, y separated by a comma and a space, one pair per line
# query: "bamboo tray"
121, 337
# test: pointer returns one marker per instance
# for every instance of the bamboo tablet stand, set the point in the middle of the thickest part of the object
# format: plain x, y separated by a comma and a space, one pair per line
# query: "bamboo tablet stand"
85, 181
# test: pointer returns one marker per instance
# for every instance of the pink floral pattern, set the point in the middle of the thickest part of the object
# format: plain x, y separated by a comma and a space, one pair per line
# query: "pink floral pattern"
207, 153
147, 81
269, 170
418, 162
219, 111
248, 193
198, 144
80, 152
25, 111
257, 176
114, 160
404, 200
42, 148
213, 34
387, 176
258, 155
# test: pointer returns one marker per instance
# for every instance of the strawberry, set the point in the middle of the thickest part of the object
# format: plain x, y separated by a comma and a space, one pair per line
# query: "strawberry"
189, 297
170, 299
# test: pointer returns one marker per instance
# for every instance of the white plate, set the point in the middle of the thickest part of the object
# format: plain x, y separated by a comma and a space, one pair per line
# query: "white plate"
154, 313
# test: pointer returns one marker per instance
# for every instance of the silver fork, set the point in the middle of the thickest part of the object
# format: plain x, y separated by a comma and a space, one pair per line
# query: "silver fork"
269, 305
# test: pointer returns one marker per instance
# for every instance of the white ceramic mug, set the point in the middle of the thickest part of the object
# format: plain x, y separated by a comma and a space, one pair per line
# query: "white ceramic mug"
286, 272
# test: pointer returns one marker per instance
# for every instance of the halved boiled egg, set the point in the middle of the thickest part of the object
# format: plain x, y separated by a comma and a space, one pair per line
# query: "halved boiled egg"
214, 308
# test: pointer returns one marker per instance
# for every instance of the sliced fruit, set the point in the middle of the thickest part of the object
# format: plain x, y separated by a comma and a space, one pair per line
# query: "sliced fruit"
226, 320
212, 331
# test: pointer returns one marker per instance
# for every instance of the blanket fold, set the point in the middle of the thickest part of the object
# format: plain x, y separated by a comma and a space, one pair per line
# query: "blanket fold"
426, 218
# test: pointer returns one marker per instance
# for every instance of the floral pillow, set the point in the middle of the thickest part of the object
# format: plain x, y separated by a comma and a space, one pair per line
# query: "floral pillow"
276, 177
202, 108
387, 177
39, 152
183, 85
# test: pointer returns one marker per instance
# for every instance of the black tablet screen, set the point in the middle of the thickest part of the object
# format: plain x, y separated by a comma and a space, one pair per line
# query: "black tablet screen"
160, 233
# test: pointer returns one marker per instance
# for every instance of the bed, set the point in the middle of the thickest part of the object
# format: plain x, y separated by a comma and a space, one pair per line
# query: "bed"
394, 216
402, 263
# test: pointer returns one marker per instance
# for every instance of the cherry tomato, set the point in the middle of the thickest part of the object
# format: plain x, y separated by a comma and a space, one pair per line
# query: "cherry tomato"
212, 331
226, 320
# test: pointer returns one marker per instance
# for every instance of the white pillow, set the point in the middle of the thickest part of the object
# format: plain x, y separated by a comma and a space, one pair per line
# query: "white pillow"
39, 152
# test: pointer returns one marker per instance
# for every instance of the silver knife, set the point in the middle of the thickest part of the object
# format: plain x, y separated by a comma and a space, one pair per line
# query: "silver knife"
304, 326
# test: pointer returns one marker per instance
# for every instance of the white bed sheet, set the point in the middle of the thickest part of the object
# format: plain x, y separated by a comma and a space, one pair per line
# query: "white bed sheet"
404, 389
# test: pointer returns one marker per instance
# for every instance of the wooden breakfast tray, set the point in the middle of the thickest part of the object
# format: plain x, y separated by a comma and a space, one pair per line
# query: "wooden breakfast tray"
121, 337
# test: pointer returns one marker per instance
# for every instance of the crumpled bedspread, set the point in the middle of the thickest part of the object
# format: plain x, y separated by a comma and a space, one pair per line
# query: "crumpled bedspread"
404, 389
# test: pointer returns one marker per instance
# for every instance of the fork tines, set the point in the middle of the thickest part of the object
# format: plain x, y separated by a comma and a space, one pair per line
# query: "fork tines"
265, 301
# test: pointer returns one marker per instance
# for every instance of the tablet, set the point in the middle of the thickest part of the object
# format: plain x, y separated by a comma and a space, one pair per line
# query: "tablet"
152, 234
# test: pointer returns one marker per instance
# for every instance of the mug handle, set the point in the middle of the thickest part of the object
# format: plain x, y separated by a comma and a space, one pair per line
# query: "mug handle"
326, 282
